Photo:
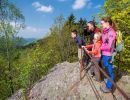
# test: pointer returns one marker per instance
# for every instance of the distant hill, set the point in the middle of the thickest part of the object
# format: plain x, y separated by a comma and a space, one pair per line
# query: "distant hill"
26, 41
29, 40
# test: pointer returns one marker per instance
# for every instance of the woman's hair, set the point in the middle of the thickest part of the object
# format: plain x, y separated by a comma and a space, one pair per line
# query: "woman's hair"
109, 20
97, 36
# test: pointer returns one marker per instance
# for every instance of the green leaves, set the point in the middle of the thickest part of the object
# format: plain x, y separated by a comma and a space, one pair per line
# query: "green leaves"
119, 11
11, 21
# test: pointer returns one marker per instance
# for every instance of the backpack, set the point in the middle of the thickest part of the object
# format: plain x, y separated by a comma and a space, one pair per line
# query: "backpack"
119, 41
118, 44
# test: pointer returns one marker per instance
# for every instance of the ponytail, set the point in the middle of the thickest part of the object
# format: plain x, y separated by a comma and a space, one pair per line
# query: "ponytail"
114, 26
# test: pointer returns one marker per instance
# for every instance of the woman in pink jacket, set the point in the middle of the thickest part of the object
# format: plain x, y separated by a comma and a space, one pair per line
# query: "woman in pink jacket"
107, 48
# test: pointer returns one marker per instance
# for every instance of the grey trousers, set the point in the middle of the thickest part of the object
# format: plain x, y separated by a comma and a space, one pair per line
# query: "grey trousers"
93, 70
80, 53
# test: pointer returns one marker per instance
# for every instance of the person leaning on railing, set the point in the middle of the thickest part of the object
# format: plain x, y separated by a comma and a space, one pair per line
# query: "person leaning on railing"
96, 54
80, 42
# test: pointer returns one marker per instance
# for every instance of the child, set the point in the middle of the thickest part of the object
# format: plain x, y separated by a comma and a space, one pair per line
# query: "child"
80, 42
96, 53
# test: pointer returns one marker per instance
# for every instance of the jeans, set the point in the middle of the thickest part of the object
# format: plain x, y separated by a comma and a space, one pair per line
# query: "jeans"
109, 68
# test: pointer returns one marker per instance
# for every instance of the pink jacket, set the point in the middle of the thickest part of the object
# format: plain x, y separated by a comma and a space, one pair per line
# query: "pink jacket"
107, 48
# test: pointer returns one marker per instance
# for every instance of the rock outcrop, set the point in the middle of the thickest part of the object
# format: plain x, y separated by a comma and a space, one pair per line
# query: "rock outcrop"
62, 83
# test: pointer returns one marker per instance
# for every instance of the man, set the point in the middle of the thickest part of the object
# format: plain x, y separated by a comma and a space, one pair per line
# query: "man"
90, 30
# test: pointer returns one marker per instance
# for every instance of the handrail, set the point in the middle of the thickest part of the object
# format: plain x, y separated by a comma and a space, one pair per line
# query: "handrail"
105, 74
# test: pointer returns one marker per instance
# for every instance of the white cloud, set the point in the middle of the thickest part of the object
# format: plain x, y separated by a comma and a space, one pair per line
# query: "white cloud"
79, 4
42, 8
98, 6
32, 32
45, 9
36, 4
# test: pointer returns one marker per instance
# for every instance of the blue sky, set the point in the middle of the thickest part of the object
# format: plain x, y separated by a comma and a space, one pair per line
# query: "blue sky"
40, 14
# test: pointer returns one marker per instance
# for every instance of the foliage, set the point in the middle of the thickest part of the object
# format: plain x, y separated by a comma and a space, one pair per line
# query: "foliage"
11, 21
119, 11
22, 66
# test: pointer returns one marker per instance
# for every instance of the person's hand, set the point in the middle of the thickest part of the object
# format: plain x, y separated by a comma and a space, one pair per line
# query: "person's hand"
83, 46
86, 50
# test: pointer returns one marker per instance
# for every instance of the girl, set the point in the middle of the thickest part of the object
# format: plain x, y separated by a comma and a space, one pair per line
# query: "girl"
107, 48
96, 52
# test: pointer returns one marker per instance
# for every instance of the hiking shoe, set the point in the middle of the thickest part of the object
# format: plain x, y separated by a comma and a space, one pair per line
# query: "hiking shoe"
90, 73
104, 89
95, 79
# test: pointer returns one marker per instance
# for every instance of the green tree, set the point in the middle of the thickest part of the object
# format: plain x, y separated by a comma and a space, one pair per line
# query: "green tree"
56, 31
69, 25
119, 11
11, 21
82, 23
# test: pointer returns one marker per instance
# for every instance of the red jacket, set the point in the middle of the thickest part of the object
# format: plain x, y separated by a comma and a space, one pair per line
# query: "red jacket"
96, 49
97, 30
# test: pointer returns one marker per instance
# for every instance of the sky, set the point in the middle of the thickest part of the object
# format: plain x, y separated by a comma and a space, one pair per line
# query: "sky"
40, 14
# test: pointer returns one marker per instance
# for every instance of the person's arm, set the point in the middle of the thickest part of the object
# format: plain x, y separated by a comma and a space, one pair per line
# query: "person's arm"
95, 51
89, 46
78, 41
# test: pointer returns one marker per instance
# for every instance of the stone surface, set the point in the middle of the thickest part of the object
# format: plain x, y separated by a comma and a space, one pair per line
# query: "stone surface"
56, 85
19, 95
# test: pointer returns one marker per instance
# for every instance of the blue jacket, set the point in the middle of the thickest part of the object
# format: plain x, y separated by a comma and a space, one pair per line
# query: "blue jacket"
79, 41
